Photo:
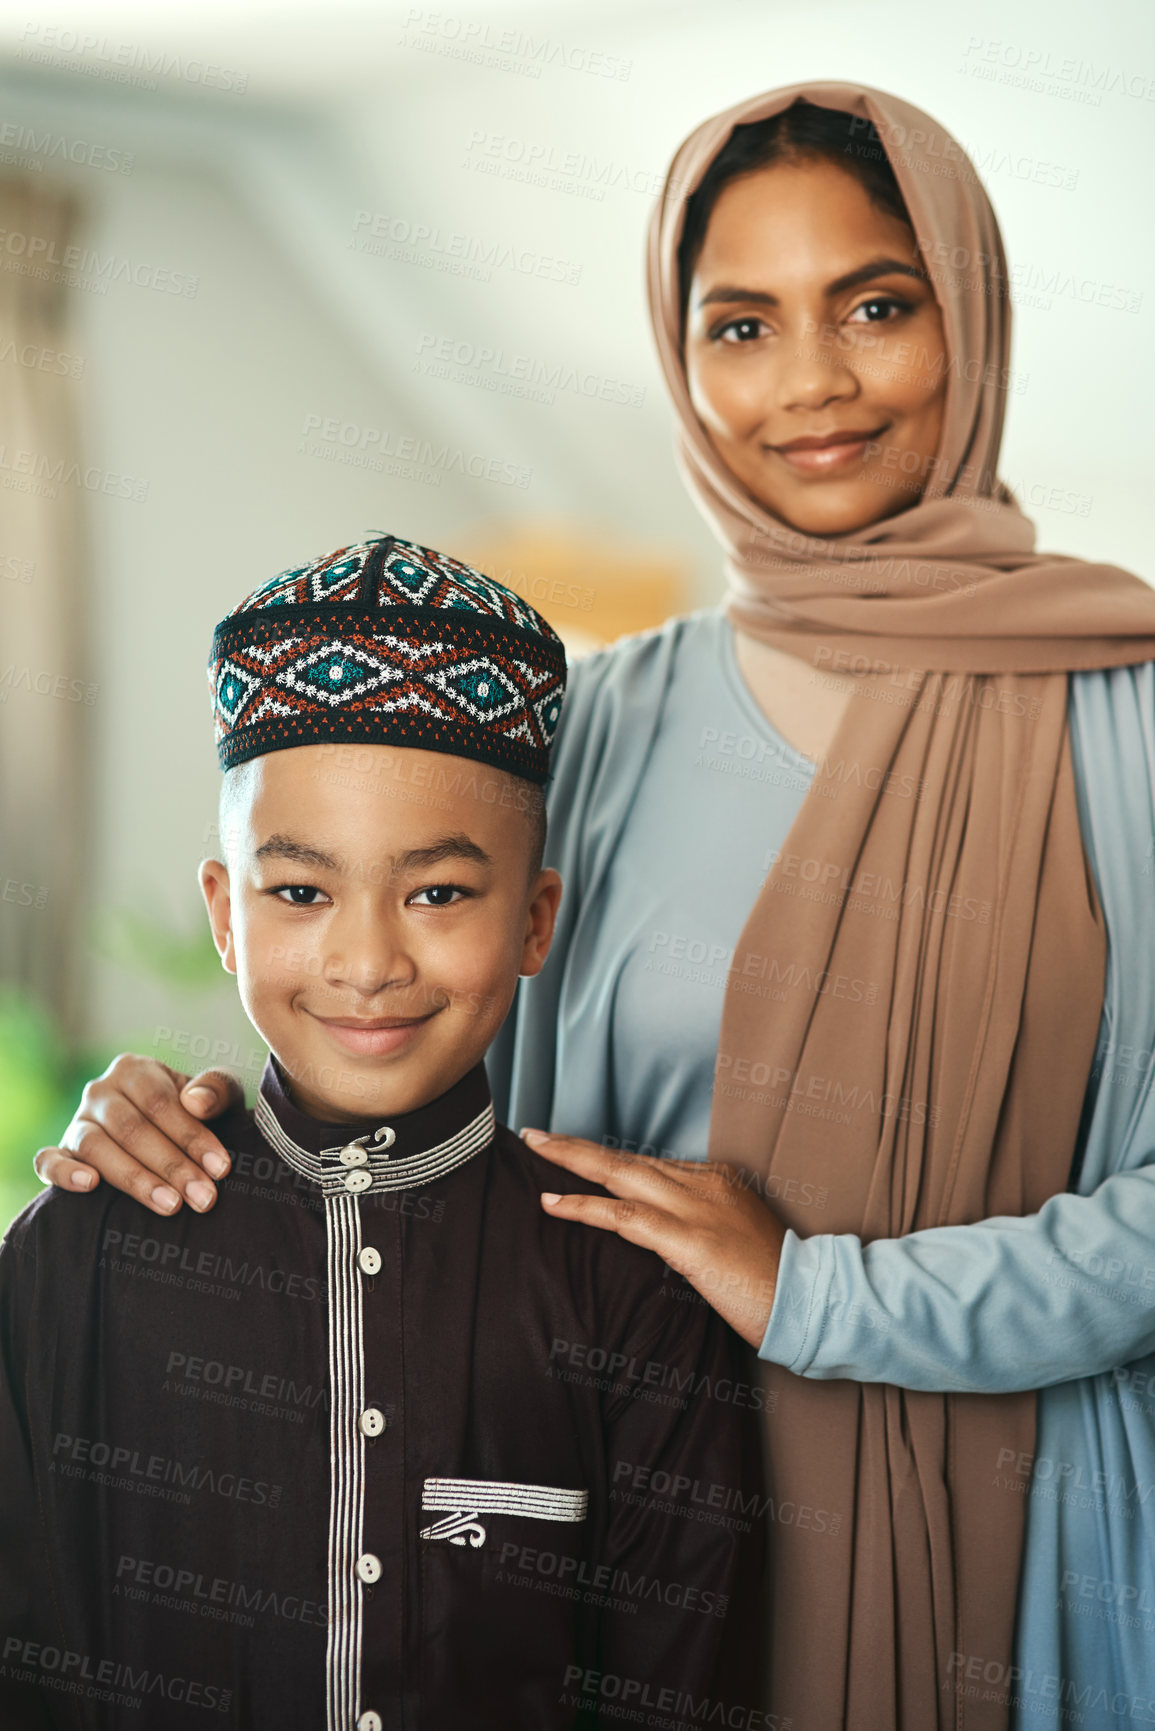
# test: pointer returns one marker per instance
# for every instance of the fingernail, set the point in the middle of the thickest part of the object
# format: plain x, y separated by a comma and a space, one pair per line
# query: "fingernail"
200, 1099
199, 1193
82, 1180
533, 1136
549, 1197
166, 1198
216, 1165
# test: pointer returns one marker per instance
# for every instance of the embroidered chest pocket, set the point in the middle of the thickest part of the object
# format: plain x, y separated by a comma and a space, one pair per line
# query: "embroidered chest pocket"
462, 1501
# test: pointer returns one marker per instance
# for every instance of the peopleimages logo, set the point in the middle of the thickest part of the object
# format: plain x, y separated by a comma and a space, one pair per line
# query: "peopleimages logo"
679, 1710
428, 244
508, 50
536, 162
212, 1596
60, 1668
43, 257
123, 62
1039, 68
331, 440
121, 1464
53, 145
489, 368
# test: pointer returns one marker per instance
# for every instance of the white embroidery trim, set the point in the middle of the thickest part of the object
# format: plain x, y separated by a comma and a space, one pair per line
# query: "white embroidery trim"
347, 1457
387, 1174
457, 1528
498, 1497
468, 1498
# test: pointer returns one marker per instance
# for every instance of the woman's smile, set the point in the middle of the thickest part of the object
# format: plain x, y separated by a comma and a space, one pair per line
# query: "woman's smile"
820, 454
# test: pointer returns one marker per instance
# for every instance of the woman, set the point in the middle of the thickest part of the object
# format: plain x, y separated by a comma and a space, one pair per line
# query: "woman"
847, 866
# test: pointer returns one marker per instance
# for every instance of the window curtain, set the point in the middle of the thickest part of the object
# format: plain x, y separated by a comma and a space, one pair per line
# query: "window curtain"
47, 704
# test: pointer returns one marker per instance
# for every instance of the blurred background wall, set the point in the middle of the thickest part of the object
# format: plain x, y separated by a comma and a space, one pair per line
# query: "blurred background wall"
273, 276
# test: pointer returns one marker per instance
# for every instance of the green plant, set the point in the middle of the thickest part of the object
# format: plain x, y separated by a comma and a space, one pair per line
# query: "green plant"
42, 1075
147, 945
40, 1082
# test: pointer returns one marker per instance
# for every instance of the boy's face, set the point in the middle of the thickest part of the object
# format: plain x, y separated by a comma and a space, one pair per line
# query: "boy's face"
376, 931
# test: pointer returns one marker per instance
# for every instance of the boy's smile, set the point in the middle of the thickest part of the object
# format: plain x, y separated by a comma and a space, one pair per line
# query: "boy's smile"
377, 937
373, 1036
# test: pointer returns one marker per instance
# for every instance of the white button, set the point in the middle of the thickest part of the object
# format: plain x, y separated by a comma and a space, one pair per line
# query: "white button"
354, 1155
369, 1721
372, 1421
369, 1568
359, 1180
369, 1260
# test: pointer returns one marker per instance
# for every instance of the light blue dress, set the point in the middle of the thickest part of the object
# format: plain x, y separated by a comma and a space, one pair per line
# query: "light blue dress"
671, 794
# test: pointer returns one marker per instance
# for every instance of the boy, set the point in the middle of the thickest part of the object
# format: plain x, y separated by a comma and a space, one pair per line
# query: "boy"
356, 1450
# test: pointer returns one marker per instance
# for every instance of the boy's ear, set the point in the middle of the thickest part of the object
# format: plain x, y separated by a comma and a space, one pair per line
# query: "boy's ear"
214, 881
539, 922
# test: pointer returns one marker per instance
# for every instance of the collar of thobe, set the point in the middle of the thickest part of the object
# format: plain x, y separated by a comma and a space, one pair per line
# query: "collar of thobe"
401, 1152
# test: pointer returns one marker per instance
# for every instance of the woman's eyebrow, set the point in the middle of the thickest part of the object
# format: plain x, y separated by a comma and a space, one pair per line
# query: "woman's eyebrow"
867, 273
852, 279
726, 293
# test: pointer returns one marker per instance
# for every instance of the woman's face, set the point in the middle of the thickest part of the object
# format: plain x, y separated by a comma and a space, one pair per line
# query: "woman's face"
814, 348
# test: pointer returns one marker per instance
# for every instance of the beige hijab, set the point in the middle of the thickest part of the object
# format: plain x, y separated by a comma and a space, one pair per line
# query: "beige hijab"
913, 1004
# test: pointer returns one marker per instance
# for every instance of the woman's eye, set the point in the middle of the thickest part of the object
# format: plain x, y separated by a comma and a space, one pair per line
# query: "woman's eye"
746, 330
300, 895
879, 311
437, 896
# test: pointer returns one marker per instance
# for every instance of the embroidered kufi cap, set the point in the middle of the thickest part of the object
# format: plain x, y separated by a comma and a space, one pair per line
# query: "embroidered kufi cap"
388, 643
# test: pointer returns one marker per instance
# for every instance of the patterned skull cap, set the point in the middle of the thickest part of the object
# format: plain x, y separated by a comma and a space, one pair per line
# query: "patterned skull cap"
388, 643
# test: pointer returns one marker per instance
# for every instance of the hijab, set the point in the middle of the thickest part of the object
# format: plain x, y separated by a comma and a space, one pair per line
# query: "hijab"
936, 924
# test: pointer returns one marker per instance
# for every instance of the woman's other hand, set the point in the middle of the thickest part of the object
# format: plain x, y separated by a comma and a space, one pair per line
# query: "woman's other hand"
706, 1221
140, 1126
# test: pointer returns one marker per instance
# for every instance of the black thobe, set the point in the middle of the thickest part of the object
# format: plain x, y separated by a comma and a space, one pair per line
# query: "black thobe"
376, 1443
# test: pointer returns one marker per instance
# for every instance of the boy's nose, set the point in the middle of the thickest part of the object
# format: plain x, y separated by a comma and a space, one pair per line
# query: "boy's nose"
368, 958
368, 981
369, 975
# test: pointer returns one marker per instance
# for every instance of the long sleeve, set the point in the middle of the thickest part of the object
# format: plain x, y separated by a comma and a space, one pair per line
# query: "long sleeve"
24, 1594
681, 1557
1008, 1303
1068, 1292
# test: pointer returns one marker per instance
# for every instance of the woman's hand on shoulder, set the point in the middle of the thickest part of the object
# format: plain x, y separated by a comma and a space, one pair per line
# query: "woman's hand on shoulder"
707, 1221
140, 1126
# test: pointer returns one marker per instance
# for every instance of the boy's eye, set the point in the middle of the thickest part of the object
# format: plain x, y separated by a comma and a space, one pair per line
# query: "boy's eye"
300, 895
437, 896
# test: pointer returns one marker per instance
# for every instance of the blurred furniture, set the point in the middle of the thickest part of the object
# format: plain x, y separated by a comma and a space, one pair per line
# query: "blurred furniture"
591, 589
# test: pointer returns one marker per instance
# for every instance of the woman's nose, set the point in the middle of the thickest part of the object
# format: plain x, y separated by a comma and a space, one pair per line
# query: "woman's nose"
811, 374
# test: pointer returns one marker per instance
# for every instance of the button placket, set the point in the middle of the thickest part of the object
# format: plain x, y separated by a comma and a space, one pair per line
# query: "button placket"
371, 1423
366, 1503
